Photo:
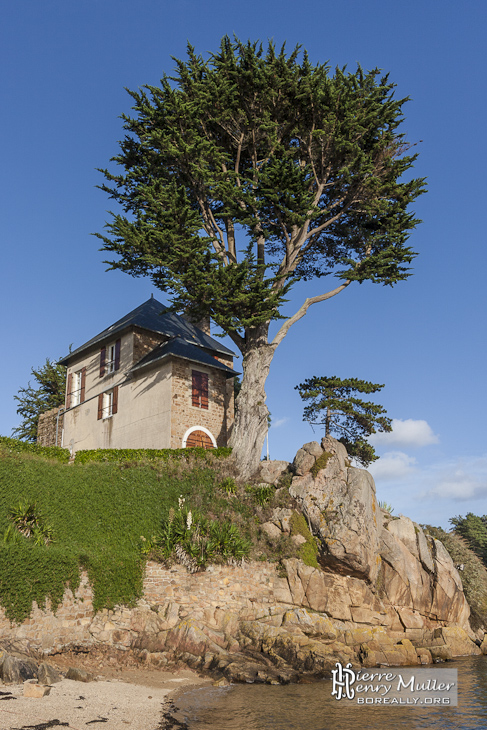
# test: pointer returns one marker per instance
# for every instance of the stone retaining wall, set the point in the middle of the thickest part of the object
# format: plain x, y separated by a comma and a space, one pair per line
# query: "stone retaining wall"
46, 428
246, 622
232, 588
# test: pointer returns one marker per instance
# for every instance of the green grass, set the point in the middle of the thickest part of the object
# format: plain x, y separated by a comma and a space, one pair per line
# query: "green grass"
98, 513
104, 515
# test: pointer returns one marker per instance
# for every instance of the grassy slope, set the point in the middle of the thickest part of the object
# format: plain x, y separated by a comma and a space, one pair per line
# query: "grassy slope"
100, 511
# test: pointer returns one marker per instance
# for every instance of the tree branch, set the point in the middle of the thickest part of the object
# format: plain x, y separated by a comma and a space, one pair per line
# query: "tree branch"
304, 308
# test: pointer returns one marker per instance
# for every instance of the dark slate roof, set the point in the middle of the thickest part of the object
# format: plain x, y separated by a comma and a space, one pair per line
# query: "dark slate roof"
177, 347
154, 316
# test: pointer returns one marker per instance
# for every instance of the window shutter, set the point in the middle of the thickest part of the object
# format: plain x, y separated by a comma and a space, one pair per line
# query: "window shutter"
83, 385
68, 391
199, 389
100, 406
196, 388
117, 354
103, 357
115, 400
204, 390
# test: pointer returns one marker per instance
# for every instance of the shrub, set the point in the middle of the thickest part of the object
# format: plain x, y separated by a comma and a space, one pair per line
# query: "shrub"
26, 521
473, 575
387, 507
142, 455
15, 446
261, 494
228, 485
195, 540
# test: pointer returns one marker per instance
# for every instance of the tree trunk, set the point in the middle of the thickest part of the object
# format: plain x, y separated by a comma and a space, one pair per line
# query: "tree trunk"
250, 425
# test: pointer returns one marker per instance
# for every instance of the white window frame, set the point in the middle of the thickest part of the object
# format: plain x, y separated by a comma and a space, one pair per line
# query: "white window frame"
76, 390
107, 407
110, 358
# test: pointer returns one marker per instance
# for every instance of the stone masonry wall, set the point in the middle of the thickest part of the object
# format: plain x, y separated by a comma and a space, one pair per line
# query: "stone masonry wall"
226, 587
144, 342
46, 429
219, 415
229, 587
207, 619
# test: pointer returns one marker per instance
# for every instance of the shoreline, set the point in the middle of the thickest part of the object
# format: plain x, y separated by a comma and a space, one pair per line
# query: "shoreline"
119, 698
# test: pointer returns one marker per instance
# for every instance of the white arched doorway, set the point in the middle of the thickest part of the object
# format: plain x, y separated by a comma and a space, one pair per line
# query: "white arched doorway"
199, 436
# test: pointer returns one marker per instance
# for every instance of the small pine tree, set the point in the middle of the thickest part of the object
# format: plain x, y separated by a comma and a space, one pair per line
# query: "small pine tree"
333, 404
50, 393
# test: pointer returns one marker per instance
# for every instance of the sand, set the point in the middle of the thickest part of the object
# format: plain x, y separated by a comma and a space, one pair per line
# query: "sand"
133, 700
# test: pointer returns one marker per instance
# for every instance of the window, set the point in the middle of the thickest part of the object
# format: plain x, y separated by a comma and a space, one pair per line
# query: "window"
199, 389
110, 361
78, 379
75, 391
108, 403
110, 358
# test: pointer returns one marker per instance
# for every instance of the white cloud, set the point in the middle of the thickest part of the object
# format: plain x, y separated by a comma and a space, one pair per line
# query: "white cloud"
279, 422
393, 465
461, 480
406, 433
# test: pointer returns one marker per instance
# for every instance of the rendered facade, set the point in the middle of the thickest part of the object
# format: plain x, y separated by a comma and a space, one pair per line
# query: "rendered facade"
151, 380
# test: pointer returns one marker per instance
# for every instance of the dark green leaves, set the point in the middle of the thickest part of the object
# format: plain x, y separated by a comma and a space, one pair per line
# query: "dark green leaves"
332, 403
252, 168
49, 393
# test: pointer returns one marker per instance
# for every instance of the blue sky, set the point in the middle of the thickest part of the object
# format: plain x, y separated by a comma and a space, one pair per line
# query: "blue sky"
64, 69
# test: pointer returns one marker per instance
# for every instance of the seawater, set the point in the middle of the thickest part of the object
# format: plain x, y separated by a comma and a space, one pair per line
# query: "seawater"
312, 707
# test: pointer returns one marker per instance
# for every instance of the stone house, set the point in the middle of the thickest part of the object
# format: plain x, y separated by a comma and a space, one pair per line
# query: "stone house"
151, 380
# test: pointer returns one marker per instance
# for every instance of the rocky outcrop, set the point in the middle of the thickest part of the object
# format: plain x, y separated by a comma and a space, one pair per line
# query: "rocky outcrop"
383, 593
405, 579
340, 504
271, 471
20, 664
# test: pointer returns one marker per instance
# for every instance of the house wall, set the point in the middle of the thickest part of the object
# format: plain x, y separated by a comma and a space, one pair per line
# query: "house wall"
144, 404
154, 405
218, 418
48, 426
144, 342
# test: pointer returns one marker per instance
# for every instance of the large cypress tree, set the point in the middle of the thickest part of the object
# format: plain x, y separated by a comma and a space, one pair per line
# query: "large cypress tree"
248, 171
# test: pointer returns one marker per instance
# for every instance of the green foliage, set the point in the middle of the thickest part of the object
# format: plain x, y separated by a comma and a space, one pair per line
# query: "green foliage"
27, 521
97, 513
142, 455
332, 403
195, 540
320, 463
15, 446
307, 166
308, 551
261, 494
387, 507
228, 485
473, 575
474, 531
48, 392
34, 573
